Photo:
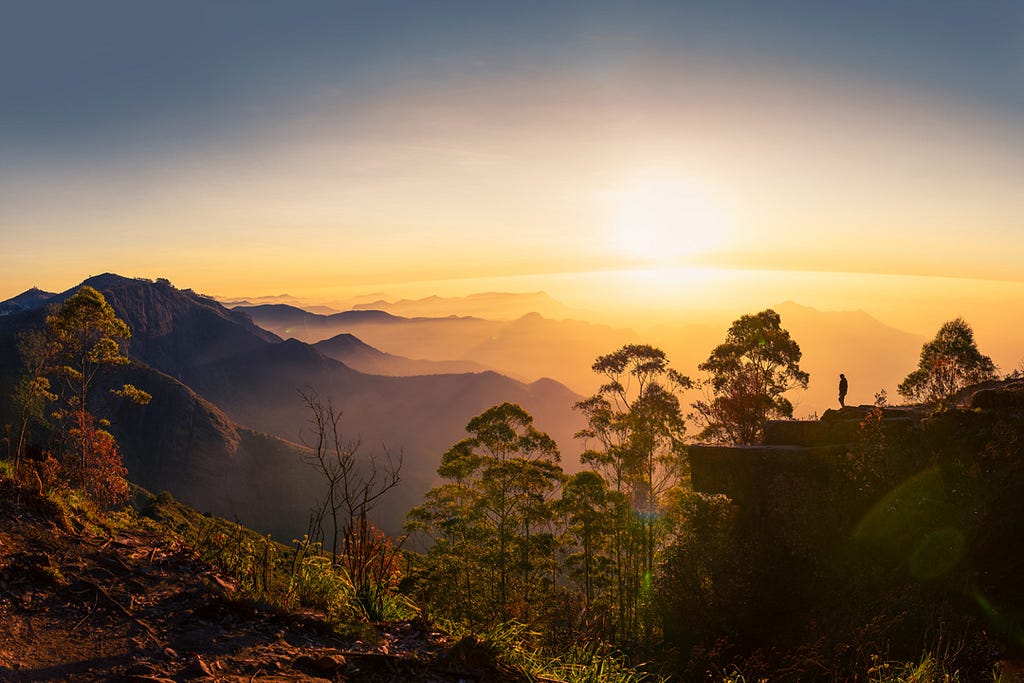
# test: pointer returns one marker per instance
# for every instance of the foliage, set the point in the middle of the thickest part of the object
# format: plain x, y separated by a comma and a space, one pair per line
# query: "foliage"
636, 422
60, 365
98, 471
748, 375
492, 552
930, 669
86, 335
589, 511
635, 433
286, 577
33, 390
948, 363
906, 546
316, 583
372, 564
362, 553
582, 661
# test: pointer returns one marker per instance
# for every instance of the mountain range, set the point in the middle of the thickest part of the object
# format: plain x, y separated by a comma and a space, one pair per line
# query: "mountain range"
490, 305
874, 356
527, 348
226, 424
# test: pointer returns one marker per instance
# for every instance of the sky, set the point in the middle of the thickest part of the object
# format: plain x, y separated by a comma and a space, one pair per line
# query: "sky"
330, 148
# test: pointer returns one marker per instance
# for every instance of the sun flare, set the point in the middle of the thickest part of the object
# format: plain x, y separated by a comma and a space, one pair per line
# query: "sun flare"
666, 219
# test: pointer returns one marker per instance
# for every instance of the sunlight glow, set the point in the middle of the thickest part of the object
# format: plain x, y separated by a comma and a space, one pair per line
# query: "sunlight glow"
665, 218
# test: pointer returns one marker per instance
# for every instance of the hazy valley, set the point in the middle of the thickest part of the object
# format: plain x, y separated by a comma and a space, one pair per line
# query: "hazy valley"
874, 355
226, 425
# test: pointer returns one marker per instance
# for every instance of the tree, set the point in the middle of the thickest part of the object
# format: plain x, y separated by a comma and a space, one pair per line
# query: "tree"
635, 430
636, 421
589, 511
354, 489
352, 492
82, 337
949, 362
495, 512
98, 469
33, 391
748, 375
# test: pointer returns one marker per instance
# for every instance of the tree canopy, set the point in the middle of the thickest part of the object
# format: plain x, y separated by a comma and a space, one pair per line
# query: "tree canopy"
491, 523
61, 363
748, 375
949, 362
635, 431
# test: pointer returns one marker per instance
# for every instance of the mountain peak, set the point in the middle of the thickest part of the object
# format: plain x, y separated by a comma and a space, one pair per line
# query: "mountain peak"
174, 328
108, 280
28, 300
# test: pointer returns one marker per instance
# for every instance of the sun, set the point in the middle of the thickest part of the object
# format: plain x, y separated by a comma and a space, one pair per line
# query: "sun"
666, 219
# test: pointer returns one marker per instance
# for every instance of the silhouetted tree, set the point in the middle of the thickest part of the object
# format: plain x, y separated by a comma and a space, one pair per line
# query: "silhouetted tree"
748, 375
496, 508
589, 511
635, 430
33, 390
354, 487
949, 362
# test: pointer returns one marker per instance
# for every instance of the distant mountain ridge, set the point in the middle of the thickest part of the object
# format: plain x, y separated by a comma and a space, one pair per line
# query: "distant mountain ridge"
490, 305
173, 329
181, 442
229, 407
360, 356
529, 347
874, 356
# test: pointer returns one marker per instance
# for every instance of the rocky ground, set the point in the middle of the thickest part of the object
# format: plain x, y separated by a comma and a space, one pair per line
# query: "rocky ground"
130, 605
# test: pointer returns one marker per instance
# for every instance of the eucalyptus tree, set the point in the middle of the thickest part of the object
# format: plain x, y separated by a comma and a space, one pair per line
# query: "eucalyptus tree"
589, 512
635, 436
495, 511
948, 363
748, 376
82, 337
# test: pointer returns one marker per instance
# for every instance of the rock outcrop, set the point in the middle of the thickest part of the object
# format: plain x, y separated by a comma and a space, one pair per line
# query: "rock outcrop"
805, 450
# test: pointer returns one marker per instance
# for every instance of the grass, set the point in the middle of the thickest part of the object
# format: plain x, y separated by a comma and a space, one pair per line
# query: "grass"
283, 576
582, 662
930, 669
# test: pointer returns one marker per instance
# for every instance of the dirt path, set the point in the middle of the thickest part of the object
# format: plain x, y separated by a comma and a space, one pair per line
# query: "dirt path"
76, 606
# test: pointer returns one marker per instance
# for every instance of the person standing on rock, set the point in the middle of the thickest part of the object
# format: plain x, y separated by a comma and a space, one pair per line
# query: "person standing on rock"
842, 390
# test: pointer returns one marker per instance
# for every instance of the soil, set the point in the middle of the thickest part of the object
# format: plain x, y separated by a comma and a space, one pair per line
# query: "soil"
132, 605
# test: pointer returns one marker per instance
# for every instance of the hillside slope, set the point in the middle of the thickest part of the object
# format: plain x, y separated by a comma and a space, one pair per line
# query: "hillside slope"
87, 602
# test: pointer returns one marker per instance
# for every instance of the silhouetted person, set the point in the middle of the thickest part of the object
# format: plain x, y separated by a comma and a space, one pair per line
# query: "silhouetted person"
842, 390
